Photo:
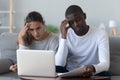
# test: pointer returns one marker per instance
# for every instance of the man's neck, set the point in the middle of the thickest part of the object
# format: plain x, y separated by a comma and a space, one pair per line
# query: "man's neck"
83, 31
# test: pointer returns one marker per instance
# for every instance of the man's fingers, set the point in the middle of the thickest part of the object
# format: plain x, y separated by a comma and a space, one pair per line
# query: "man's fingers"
67, 27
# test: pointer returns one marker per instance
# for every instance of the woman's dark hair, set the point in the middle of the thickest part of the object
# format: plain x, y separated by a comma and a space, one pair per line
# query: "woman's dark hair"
73, 9
32, 16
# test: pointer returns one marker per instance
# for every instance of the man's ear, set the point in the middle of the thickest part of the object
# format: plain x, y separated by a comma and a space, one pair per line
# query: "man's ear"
84, 15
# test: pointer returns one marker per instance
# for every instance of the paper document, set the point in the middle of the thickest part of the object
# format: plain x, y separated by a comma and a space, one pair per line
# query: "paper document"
73, 73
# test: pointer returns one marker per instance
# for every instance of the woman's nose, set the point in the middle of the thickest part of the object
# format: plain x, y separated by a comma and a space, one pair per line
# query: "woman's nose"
35, 32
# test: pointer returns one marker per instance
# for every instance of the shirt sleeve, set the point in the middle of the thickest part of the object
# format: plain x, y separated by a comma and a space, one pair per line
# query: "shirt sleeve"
22, 47
54, 43
103, 53
61, 55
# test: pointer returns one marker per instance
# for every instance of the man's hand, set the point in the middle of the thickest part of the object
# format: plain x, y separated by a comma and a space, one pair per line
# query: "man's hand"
64, 28
13, 68
89, 71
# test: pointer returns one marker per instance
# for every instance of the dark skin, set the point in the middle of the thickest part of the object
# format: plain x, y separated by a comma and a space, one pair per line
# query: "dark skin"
77, 22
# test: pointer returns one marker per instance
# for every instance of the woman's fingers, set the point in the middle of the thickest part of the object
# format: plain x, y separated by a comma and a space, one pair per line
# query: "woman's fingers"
13, 68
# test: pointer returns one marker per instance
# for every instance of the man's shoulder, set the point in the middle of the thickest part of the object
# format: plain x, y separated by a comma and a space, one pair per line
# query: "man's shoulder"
100, 33
98, 30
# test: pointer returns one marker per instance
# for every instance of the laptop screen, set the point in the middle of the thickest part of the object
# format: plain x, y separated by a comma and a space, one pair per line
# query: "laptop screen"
36, 63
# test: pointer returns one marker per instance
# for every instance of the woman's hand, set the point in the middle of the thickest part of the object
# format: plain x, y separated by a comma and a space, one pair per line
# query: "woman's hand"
64, 28
23, 33
89, 71
13, 68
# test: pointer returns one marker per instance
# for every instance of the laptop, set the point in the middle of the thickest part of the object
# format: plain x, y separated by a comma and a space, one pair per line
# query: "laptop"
36, 63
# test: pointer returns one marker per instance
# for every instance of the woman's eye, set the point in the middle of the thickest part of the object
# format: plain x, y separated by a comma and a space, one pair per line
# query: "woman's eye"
38, 27
30, 29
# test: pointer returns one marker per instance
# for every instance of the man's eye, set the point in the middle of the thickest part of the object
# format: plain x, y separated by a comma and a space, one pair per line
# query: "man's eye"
78, 20
70, 23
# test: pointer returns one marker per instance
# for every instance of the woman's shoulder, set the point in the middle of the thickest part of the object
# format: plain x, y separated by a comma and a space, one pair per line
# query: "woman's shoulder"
53, 36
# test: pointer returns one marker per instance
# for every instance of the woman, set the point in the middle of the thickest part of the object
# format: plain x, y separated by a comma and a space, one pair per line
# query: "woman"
34, 36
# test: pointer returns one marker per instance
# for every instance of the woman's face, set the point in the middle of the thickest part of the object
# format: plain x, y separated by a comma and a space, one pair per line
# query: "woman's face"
36, 29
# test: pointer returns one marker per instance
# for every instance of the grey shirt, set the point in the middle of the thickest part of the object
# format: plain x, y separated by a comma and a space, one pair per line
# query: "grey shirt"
50, 43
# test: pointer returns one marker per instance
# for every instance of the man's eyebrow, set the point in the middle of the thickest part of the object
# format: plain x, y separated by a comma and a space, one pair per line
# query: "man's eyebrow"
76, 15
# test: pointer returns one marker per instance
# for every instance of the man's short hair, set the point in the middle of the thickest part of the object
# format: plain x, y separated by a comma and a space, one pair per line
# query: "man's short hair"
73, 9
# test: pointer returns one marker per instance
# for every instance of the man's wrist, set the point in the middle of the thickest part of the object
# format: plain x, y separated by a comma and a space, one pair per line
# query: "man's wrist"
93, 68
64, 37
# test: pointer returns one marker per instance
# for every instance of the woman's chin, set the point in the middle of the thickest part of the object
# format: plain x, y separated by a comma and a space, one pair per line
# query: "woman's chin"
37, 39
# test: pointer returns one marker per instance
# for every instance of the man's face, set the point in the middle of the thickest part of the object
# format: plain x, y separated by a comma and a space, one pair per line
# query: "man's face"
76, 21
36, 29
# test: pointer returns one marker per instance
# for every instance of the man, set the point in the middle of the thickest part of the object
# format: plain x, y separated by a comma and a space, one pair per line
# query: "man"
82, 45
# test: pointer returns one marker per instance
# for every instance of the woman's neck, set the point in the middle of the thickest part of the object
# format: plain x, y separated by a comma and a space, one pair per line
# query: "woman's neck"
44, 36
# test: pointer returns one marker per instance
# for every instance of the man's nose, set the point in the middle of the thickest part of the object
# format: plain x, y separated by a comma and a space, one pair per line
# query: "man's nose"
75, 23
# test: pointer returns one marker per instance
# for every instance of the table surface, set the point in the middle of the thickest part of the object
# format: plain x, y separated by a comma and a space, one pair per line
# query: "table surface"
14, 76
59, 78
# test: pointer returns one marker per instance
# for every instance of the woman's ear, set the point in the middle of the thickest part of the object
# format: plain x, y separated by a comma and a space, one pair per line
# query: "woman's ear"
43, 22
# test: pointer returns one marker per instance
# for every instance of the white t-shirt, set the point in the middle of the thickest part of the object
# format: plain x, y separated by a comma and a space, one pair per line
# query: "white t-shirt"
89, 49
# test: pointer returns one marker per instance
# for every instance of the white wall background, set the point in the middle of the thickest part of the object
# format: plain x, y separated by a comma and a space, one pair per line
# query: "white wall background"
97, 11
